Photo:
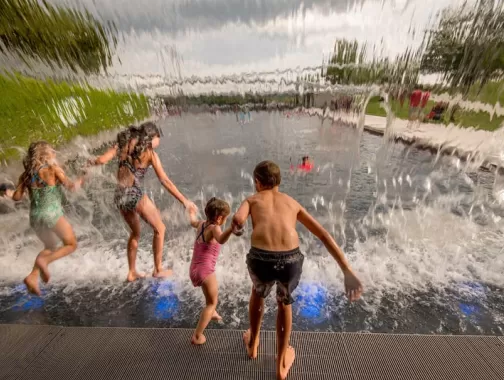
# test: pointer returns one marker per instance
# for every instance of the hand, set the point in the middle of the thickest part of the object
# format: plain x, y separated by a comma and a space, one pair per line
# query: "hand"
91, 162
237, 230
191, 207
353, 286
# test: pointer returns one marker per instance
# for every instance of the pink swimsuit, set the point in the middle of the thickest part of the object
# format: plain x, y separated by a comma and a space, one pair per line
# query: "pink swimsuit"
204, 259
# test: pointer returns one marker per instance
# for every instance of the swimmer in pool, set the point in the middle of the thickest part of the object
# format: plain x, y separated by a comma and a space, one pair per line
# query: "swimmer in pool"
207, 245
43, 178
305, 166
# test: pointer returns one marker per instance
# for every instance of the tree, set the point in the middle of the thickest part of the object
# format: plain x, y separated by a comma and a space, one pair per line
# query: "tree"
467, 45
348, 65
55, 35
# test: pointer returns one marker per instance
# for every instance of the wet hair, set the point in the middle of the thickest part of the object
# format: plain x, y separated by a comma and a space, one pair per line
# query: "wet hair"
215, 208
267, 173
38, 155
125, 136
147, 132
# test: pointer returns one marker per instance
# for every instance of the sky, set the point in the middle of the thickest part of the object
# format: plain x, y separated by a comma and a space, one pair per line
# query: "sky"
218, 43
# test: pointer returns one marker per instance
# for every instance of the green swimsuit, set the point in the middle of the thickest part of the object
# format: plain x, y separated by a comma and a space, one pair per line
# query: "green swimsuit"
46, 207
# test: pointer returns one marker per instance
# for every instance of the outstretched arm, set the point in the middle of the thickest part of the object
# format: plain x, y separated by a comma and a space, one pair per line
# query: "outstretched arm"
165, 181
241, 215
192, 218
222, 237
353, 286
63, 179
105, 157
20, 189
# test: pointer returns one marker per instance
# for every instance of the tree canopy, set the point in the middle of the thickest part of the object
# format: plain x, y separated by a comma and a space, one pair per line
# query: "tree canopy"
467, 45
56, 35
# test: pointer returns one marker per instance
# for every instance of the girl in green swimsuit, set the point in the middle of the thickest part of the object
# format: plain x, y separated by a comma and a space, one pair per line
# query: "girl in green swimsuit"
42, 179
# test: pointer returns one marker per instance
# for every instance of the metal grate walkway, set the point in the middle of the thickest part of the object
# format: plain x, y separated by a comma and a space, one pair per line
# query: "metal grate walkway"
49, 352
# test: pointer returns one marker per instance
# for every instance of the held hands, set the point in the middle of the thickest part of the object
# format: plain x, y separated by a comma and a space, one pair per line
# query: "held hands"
353, 286
237, 230
190, 207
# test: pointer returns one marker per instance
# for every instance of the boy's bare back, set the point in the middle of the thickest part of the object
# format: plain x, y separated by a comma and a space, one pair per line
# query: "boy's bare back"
274, 216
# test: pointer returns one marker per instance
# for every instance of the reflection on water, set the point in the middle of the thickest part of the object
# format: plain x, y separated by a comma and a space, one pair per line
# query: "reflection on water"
424, 235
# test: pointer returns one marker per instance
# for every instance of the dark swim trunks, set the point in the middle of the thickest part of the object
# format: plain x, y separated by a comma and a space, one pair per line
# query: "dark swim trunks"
281, 268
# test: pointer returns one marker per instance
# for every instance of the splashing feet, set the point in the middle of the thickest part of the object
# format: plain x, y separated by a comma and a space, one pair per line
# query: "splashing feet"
251, 347
283, 368
41, 263
162, 273
216, 317
32, 285
134, 275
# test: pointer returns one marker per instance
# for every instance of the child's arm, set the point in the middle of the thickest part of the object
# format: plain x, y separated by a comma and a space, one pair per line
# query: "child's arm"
192, 218
222, 237
105, 157
63, 179
353, 286
241, 215
169, 185
20, 189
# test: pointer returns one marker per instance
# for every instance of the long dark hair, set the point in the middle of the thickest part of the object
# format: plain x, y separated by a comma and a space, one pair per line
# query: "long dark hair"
124, 137
148, 131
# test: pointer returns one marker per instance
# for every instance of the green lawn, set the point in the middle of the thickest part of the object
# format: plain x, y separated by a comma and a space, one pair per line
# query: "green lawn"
32, 110
478, 120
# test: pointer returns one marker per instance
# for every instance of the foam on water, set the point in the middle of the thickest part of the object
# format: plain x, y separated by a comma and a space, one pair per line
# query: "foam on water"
427, 238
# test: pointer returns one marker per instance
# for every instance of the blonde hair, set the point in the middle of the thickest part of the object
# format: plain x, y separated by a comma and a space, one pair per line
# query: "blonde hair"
39, 154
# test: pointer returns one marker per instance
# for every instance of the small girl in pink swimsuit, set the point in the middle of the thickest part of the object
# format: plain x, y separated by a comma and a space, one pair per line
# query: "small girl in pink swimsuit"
206, 250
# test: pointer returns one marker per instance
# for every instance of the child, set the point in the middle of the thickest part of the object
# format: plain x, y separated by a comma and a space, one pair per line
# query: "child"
205, 252
6, 190
274, 258
136, 153
42, 179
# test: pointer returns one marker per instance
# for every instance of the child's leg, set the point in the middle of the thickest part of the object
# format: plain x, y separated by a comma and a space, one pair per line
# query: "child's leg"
151, 215
285, 353
210, 290
251, 336
133, 221
50, 244
64, 231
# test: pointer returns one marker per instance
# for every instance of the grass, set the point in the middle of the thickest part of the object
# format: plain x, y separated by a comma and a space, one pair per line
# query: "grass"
32, 109
465, 118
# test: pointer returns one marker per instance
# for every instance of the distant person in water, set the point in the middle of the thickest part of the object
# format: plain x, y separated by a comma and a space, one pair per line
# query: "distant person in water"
43, 178
7, 190
305, 166
209, 237
275, 258
136, 153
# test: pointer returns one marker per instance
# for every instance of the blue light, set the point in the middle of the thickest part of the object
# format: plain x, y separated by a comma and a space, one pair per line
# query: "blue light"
165, 301
311, 301
26, 301
469, 310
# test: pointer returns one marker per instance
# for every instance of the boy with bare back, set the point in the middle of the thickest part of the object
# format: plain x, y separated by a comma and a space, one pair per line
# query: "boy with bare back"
275, 258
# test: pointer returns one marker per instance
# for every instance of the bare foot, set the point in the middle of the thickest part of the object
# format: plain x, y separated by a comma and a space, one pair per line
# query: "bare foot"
32, 284
283, 369
162, 274
216, 317
41, 262
251, 349
132, 276
198, 341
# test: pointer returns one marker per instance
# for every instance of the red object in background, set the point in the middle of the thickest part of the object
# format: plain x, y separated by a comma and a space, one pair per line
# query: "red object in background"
415, 98
425, 98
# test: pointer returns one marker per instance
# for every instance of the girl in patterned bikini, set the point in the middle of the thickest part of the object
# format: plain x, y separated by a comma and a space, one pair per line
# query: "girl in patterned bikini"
43, 179
205, 253
135, 150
